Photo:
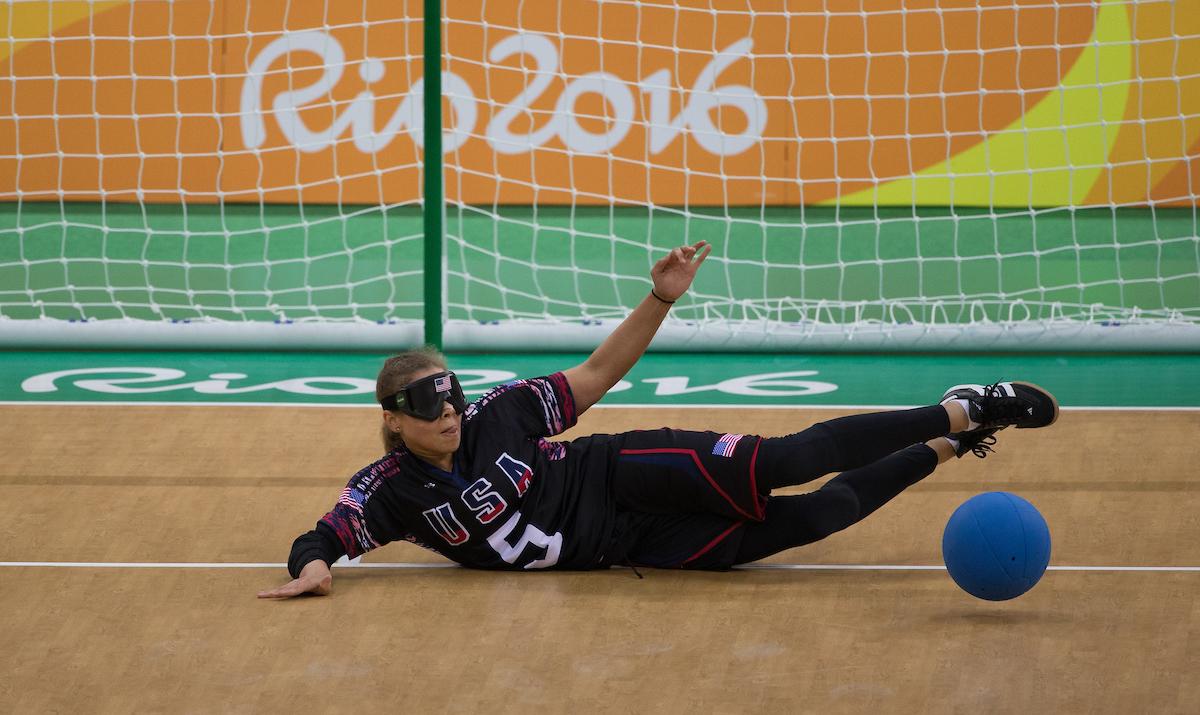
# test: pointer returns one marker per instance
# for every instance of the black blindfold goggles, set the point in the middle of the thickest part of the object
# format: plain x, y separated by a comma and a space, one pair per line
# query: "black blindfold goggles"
424, 398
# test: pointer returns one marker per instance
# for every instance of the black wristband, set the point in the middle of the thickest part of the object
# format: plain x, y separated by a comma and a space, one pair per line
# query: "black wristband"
660, 298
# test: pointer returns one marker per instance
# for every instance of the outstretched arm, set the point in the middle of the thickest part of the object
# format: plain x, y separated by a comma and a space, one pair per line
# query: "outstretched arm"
672, 276
346, 530
312, 555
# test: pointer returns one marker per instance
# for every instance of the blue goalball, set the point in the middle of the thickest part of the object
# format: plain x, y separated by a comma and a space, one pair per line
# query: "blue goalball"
996, 546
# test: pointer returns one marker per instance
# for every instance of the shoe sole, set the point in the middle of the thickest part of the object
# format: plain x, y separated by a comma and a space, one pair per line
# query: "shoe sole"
1047, 393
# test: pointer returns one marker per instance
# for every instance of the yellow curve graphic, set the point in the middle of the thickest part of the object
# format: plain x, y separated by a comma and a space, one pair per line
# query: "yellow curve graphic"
1052, 155
25, 22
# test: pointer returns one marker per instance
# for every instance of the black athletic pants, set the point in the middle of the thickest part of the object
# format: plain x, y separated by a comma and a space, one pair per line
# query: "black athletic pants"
879, 455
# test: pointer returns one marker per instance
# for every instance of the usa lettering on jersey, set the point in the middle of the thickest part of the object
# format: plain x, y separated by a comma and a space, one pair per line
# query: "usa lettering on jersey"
482, 499
446, 524
517, 471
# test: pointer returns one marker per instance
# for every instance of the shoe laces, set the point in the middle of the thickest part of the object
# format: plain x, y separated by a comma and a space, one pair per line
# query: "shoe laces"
997, 406
984, 446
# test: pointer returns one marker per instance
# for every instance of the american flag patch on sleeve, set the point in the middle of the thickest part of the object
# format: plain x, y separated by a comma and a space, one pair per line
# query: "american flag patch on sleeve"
725, 446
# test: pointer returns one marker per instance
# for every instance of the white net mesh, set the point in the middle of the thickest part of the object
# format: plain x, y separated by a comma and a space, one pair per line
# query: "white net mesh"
190, 162
894, 173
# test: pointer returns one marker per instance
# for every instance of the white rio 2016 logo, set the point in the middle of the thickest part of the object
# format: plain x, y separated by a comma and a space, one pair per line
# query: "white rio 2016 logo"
126, 380
359, 115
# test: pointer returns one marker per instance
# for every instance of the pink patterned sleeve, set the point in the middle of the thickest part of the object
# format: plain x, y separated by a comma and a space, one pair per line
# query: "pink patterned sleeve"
540, 406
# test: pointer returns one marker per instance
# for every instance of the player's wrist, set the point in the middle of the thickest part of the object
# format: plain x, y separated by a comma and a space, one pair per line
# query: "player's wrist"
660, 298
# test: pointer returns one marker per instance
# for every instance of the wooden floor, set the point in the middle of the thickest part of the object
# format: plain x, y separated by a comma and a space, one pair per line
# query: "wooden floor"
236, 485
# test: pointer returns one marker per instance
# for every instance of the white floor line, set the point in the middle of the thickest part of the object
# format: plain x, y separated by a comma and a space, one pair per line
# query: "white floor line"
385, 565
882, 567
201, 565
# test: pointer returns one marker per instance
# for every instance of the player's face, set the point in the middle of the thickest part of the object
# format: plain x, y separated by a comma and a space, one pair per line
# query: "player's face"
432, 440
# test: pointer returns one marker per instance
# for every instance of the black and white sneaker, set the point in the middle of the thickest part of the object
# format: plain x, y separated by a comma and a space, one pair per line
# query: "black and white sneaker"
995, 407
1003, 404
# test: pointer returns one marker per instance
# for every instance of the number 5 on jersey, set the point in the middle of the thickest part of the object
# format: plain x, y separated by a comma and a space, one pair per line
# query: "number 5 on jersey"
521, 476
533, 535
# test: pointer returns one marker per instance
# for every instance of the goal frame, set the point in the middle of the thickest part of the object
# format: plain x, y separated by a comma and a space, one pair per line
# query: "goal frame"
1159, 332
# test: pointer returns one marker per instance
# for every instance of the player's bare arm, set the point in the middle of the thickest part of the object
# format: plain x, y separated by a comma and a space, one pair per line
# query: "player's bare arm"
672, 276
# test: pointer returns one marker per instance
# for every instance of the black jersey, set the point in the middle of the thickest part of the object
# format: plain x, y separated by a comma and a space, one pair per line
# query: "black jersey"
514, 500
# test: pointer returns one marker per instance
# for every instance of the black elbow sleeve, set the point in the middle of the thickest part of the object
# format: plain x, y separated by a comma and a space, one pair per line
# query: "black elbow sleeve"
320, 544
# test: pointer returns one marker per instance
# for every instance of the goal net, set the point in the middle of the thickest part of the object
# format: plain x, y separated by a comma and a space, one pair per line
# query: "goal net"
892, 174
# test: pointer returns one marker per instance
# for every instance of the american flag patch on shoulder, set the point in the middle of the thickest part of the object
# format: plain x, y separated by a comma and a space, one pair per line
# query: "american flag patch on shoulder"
725, 446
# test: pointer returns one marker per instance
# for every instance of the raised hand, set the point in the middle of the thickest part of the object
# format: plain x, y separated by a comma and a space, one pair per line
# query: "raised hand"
315, 578
674, 273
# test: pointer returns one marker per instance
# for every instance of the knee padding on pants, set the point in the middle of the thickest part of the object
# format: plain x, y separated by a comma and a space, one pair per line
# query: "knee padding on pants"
834, 507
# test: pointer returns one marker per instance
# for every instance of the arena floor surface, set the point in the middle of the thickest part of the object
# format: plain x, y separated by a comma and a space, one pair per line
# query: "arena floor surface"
136, 537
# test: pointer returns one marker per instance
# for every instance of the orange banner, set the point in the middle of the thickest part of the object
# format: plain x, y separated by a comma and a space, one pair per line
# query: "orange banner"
683, 103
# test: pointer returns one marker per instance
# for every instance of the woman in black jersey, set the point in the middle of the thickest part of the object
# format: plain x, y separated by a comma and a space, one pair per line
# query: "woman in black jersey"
482, 485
